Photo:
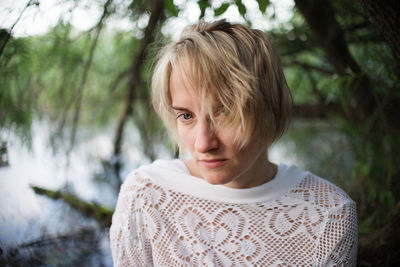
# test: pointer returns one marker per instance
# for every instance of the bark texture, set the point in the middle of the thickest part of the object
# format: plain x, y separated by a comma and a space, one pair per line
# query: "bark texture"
386, 15
320, 17
364, 103
157, 15
382, 247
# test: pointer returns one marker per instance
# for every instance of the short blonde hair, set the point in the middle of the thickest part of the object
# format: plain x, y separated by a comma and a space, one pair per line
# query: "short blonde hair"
233, 67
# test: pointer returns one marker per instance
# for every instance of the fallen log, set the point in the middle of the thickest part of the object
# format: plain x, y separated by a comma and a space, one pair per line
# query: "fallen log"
93, 210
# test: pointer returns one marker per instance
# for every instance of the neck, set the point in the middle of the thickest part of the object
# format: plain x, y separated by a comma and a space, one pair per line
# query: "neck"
260, 172
265, 173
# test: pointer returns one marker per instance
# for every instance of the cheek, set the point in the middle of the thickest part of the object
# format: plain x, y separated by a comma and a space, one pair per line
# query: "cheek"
226, 138
185, 136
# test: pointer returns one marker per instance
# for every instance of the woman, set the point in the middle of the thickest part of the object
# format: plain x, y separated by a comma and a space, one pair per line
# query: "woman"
221, 93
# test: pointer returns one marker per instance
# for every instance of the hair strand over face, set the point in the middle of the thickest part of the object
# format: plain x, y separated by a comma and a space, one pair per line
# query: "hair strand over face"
234, 69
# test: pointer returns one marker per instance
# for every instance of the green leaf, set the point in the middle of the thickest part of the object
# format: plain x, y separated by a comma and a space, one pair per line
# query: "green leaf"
221, 10
262, 5
241, 7
171, 8
203, 4
366, 226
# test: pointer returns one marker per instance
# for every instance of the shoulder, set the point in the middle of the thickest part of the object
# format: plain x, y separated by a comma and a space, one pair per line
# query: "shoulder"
151, 173
320, 192
151, 178
139, 190
133, 182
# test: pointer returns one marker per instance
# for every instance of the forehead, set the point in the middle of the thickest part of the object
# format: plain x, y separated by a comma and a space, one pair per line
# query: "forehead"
179, 80
180, 88
183, 93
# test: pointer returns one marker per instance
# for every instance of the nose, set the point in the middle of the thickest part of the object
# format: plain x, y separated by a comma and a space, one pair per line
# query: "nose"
206, 137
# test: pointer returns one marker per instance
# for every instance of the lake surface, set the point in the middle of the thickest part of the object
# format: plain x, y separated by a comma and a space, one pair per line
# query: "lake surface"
27, 218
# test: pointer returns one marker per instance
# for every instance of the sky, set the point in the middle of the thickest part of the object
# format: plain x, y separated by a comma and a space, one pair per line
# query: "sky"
84, 14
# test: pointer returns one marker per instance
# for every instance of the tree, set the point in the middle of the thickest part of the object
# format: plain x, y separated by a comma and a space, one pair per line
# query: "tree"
342, 69
385, 14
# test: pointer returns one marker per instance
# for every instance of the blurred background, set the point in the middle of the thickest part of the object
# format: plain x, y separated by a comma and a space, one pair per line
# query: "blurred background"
75, 116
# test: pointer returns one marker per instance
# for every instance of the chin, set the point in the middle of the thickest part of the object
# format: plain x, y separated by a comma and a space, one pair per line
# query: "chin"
217, 179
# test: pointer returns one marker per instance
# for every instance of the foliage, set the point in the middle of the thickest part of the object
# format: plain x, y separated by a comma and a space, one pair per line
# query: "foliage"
339, 136
16, 93
363, 154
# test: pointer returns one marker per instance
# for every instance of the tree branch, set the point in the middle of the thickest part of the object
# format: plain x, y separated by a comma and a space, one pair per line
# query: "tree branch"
88, 63
118, 80
320, 16
317, 93
309, 67
386, 15
7, 36
157, 8
316, 111
357, 26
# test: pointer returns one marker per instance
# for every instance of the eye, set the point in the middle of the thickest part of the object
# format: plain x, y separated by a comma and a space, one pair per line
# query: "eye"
220, 112
185, 116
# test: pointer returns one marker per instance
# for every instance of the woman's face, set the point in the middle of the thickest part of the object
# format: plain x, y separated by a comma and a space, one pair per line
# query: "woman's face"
215, 156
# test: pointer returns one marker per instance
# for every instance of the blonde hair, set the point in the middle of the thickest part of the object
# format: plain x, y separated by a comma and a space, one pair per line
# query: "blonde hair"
234, 67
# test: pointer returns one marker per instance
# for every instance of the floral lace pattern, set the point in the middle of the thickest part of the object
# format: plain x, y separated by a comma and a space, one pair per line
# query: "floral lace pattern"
313, 224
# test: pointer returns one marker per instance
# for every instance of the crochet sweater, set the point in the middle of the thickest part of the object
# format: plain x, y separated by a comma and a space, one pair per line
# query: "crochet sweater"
166, 217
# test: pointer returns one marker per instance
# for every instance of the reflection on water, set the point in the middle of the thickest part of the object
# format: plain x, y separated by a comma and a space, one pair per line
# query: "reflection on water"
37, 227
37, 230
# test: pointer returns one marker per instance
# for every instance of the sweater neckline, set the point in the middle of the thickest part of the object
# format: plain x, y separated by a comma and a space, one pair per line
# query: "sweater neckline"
174, 175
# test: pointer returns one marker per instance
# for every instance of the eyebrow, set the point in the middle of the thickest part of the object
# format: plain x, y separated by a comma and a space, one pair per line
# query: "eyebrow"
180, 108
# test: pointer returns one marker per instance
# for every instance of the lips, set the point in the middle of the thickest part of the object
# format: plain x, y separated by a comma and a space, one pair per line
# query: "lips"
213, 163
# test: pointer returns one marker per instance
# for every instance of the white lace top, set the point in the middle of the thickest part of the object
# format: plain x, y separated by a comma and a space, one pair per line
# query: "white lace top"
166, 217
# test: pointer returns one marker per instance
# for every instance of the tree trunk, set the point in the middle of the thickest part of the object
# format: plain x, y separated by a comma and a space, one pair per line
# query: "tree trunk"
386, 15
320, 17
381, 248
157, 9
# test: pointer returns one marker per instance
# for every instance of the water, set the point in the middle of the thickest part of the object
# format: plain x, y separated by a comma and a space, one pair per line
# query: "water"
26, 218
